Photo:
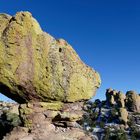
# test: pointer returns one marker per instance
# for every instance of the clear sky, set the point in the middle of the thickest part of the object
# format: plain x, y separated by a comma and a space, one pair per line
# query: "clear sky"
105, 34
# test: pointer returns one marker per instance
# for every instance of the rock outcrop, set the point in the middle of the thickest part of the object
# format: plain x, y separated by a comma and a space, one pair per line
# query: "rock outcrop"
117, 117
46, 77
123, 115
9, 117
133, 101
34, 66
42, 121
115, 97
120, 99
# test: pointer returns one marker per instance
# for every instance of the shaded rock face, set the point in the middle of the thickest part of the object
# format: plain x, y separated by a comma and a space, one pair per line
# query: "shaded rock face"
9, 117
35, 66
133, 101
110, 96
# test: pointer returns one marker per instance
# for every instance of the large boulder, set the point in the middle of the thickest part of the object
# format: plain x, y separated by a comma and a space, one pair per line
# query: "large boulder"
36, 67
132, 101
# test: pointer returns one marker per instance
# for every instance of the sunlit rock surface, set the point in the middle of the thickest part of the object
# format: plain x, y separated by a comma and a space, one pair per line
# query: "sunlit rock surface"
34, 66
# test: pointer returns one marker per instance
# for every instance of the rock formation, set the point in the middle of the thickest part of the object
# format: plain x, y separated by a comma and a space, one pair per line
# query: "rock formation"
117, 117
110, 96
120, 99
9, 117
133, 101
115, 97
40, 123
36, 67
46, 77
123, 115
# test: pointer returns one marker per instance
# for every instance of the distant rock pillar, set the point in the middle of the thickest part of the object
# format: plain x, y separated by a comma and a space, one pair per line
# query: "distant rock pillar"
111, 96
132, 101
120, 99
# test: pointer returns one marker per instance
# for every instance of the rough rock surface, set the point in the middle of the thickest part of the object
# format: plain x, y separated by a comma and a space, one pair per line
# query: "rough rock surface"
133, 101
120, 99
50, 134
9, 117
47, 78
115, 97
36, 67
39, 121
123, 115
111, 96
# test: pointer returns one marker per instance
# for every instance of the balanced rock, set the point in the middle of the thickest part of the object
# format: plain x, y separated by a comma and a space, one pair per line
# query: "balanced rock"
133, 101
34, 66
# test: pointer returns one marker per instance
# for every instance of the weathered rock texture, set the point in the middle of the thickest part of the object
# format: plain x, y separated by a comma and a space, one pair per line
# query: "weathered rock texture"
133, 101
41, 121
9, 117
36, 67
114, 97
123, 115
47, 78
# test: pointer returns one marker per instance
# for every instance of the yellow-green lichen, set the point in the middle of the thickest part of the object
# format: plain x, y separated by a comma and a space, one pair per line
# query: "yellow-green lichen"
80, 88
36, 67
52, 106
70, 116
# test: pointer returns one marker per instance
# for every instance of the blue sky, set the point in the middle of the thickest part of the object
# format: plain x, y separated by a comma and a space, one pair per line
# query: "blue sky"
105, 34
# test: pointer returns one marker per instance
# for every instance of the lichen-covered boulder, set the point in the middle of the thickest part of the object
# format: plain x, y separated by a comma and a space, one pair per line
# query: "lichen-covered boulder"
36, 67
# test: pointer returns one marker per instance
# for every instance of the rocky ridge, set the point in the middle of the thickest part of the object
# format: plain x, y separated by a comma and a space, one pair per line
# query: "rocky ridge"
116, 118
